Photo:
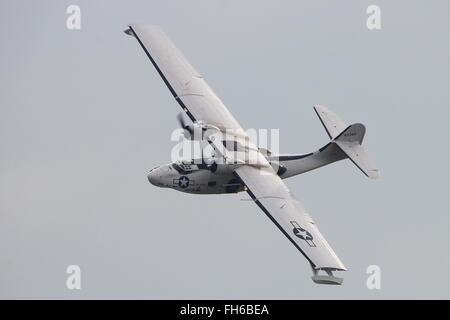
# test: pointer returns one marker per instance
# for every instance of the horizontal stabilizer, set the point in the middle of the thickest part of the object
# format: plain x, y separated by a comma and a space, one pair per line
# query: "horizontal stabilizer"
350, 142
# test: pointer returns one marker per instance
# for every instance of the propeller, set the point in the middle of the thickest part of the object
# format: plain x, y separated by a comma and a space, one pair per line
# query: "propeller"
188, 127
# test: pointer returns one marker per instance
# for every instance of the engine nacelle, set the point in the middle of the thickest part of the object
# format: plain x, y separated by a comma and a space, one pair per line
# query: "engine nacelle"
278, 167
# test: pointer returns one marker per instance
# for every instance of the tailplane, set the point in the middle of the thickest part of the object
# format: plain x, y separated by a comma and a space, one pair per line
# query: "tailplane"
349, 139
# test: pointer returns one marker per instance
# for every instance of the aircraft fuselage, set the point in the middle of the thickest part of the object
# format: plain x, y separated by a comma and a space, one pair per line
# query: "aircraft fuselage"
219, 178
199, 179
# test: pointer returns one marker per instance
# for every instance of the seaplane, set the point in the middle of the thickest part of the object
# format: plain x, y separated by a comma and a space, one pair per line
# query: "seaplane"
236, 164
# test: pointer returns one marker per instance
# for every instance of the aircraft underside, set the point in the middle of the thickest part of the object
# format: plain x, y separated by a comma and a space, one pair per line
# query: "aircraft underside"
259, 177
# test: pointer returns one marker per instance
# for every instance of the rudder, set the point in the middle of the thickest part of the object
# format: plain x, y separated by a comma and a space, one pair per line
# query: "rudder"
350, 142
349, 139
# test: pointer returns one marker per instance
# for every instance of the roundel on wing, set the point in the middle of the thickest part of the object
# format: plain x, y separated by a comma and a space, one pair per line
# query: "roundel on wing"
302, 234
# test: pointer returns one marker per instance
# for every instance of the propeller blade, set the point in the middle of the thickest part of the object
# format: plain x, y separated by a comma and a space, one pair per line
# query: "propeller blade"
181, 120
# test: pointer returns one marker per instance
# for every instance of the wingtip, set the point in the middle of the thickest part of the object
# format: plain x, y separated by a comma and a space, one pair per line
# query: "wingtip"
128, 31
374, 174
327, 278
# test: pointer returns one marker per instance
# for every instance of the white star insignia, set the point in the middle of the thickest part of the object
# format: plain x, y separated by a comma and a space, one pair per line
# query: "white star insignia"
184, 182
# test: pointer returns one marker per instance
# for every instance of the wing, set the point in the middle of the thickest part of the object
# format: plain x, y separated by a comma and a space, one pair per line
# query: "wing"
186, 85
274, 198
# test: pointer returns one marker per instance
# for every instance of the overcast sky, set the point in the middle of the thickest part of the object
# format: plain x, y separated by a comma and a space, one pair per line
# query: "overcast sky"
84, 116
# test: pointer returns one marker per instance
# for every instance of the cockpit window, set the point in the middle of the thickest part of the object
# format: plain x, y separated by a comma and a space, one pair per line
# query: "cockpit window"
182, 168
178, 168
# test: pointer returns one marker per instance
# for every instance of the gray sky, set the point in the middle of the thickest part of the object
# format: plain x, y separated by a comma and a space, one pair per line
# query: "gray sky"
84, 116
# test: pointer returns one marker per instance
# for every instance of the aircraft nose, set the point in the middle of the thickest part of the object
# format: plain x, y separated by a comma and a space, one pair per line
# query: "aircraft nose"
153, 177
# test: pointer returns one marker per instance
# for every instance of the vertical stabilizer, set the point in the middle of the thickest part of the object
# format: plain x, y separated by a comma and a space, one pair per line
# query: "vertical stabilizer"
349, 139
332, 123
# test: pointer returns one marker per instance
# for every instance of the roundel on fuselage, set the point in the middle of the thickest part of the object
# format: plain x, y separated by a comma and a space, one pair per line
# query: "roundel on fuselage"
183, 182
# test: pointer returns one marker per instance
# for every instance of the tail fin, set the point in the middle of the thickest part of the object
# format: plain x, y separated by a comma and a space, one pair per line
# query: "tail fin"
348, 139
330, 121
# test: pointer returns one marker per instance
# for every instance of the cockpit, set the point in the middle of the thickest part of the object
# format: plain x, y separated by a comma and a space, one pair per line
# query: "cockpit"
179, 169
184, 167
188, 167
